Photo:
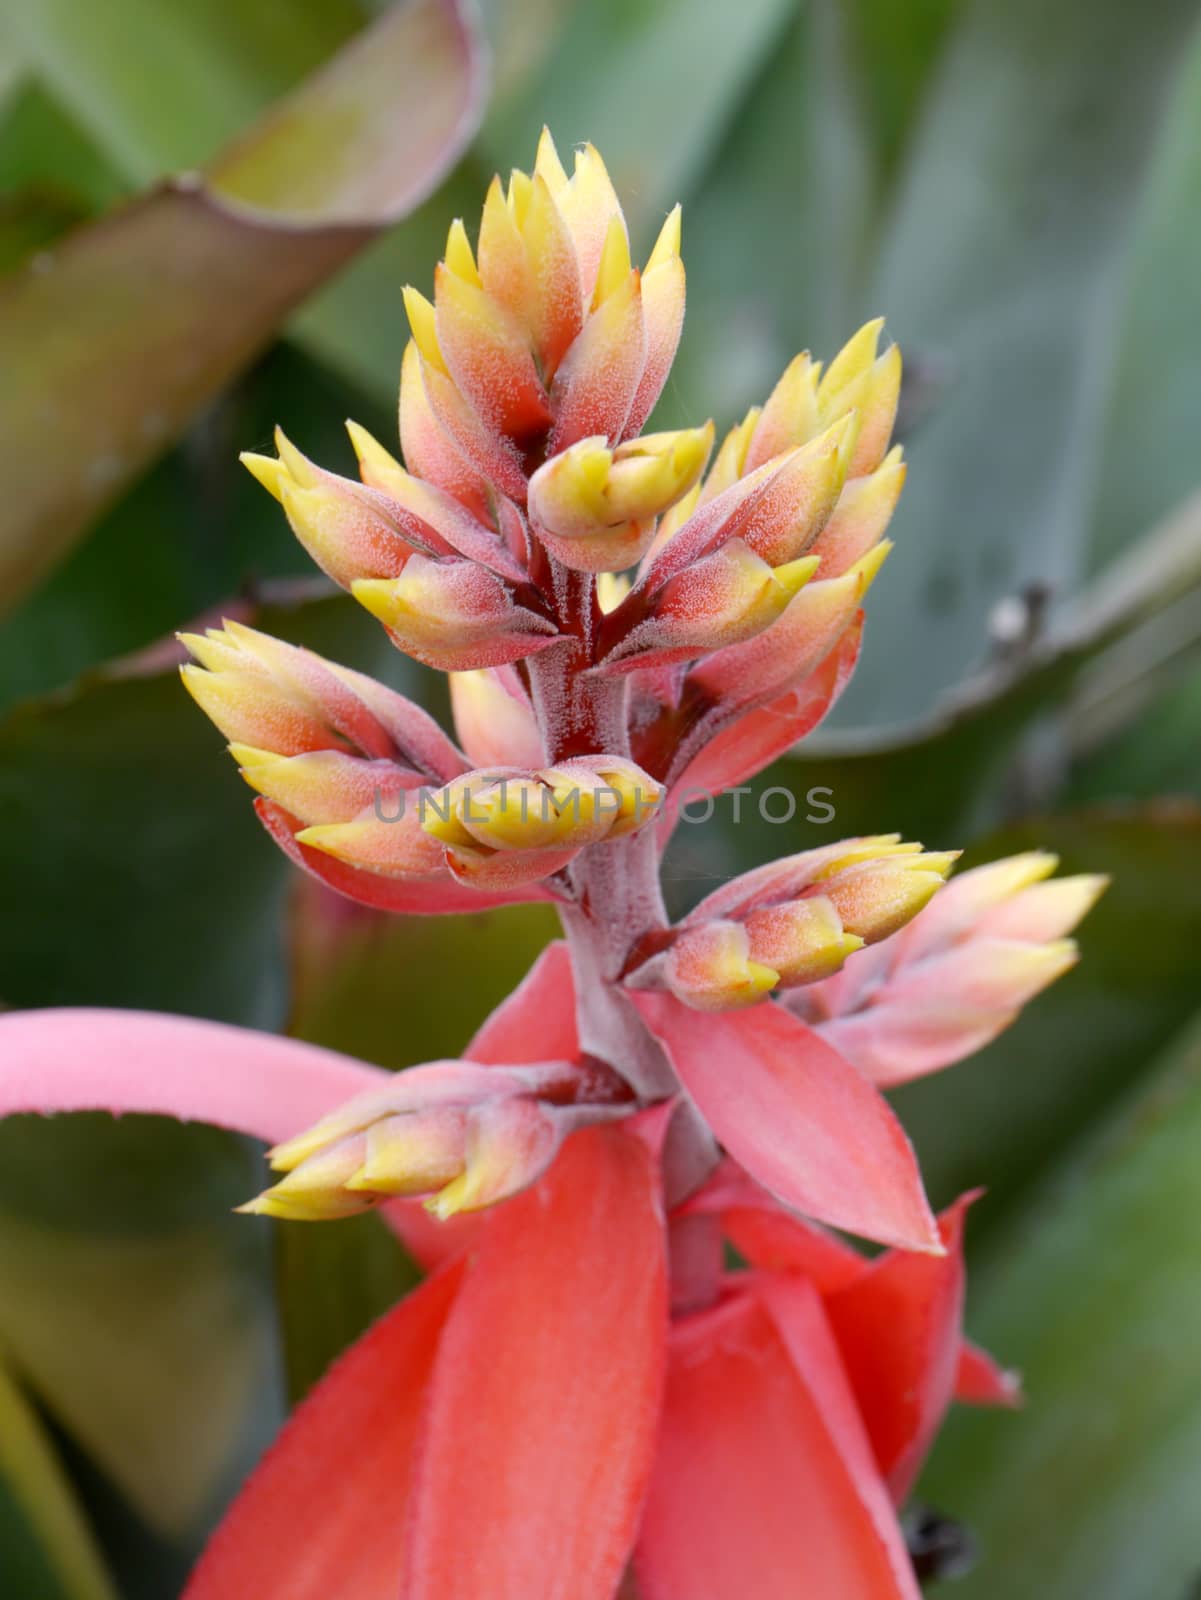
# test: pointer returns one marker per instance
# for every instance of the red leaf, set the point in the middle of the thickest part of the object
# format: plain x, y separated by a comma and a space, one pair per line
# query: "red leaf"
800, 1119
764, 1483
540, 1425
979, 1381
899, 1330
406, 896
324, 1512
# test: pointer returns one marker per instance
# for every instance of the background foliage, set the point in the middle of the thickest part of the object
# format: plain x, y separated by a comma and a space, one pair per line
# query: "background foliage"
1019, 188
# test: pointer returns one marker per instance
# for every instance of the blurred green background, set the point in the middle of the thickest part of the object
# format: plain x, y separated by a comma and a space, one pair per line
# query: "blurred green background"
1018, 188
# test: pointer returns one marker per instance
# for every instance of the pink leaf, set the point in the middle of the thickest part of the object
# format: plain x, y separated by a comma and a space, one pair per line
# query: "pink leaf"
91, 1060
540, 1424
799, 1118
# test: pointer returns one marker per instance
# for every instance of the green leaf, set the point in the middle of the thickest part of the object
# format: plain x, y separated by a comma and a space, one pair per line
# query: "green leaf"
46, 1547
775, 241
1094, 1294
610, 80
196, 530
399, 990
51, 176
1153, 750
780, 235
138, 1308
162, 86
331, 1284
1148, 459
1003, 268
356, 324
984, 753
152, 883
160, 305
141, 851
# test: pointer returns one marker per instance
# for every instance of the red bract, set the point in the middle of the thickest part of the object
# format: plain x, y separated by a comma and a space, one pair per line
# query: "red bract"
559, 1411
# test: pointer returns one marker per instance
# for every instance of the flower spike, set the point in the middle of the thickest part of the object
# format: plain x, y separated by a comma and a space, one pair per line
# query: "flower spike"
626, 618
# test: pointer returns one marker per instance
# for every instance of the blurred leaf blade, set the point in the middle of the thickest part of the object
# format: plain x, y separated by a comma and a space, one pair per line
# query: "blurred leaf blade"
400, 990
1003, 267
331, 1284
32, 1479
1149, 456
162, 86
1095, 1295
159, 305
606, 83
138, 1309
153, 884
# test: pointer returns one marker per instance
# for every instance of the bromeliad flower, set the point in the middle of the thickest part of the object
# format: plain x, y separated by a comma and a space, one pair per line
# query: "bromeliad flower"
580, 1396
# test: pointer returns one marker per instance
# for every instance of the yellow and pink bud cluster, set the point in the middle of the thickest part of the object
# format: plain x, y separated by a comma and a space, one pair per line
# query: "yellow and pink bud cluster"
463, 1135
525, 385
356, 768
622, 615
794, 922
959, 974
503, 827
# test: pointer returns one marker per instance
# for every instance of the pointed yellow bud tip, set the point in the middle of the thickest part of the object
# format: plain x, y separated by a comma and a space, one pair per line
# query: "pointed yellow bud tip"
466, 1192
441, 820
518, 814
291, 1152
1092, 885
875, 847
296, 466
667, 245
459, 256
423, 324
1059, 956
265, 470
867, 568
368, 450
331, 838
611, 590
615, 263
190, 673
855, 357
521, 192
547, 164
249, 756
794, 575
939, 862
382, 597
761, 979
